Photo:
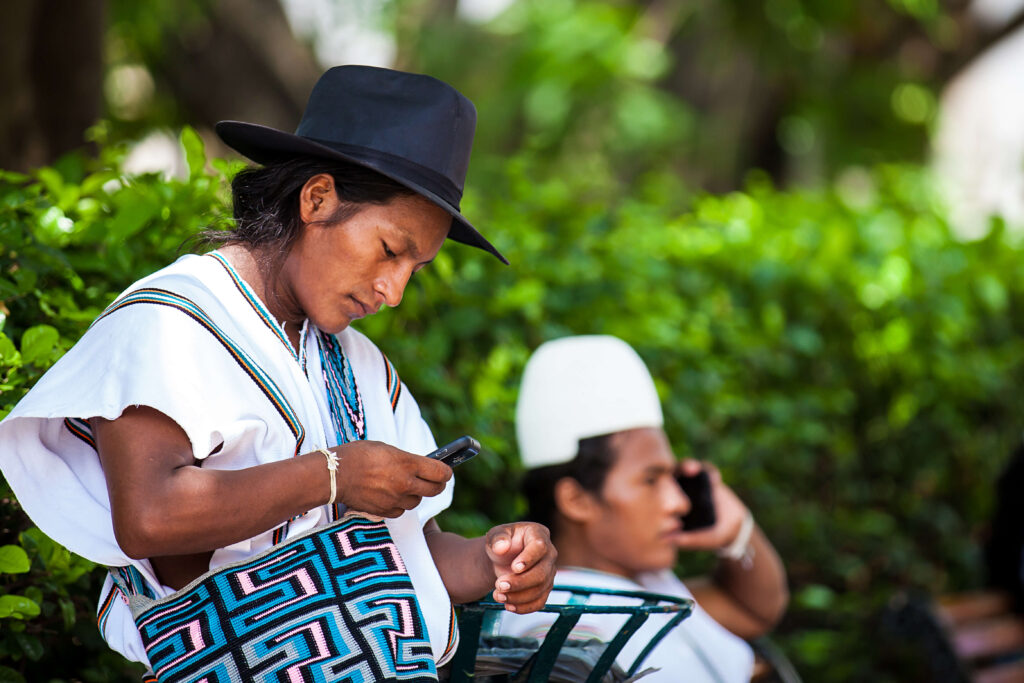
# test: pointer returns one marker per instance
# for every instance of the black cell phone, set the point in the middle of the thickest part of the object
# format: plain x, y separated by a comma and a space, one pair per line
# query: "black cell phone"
457, 452
702, 511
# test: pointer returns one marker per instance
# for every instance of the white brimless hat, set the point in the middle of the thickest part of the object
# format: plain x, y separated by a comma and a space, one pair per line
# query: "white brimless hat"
578, 387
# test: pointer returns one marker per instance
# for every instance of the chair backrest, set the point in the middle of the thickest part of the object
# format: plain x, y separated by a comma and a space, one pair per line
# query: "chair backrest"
481, 618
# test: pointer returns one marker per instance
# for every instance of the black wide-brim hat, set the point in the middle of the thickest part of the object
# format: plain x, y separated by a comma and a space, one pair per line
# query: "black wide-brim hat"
412, 128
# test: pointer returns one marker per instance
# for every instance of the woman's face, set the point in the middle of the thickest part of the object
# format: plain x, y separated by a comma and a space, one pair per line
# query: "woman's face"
636, 522
339, 272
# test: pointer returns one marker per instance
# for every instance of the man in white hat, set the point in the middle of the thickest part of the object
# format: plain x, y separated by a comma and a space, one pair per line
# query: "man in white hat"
603, 478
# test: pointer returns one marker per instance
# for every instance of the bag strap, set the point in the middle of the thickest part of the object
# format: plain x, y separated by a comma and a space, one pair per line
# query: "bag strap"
133, 586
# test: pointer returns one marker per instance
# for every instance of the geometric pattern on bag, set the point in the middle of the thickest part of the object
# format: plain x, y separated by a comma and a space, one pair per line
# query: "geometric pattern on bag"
333, 605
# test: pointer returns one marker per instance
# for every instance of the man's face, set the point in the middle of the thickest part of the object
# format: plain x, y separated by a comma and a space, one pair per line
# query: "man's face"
637, 520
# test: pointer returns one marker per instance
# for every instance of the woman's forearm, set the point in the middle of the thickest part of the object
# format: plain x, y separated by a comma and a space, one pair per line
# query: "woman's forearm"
465, 569
162, 503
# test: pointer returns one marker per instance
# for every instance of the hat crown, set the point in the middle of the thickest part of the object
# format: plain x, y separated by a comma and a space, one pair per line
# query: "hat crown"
414, 117
579, 387
412, 128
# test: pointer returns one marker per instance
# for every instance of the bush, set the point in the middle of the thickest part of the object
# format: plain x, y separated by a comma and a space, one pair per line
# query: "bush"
71, 238
848, 364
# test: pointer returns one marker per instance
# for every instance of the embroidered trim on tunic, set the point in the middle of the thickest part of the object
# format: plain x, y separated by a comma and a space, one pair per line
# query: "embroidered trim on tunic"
162, 297
257, 305
394, 383
81, 429
343, 398
104, 611
453, 634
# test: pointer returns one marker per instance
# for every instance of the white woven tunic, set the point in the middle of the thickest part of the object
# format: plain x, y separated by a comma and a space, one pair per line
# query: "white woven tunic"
193, 342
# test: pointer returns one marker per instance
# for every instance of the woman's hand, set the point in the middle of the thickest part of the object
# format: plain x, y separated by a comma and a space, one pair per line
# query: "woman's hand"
523, 559
382, 480
729, 511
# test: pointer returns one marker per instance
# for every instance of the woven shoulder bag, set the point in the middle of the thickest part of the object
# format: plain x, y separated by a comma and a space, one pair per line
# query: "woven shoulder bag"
334, 604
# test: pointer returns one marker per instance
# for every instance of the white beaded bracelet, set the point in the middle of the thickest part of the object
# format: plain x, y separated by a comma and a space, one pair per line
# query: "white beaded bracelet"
740, 548
332, 467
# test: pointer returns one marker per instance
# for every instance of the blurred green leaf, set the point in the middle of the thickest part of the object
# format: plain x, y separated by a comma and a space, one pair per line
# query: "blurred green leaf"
195, 153
17, 607
9, 675
815, 597
30, 645
13, 560
38, 343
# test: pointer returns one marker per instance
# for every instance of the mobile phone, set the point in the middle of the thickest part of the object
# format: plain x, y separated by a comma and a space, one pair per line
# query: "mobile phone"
702, 507
457, 452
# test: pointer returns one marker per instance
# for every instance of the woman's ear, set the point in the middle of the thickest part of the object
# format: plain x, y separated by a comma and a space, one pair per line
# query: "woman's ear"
317, 198
573, 501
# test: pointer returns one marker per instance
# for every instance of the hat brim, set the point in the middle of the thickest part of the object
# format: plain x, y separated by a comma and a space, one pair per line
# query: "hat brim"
266, 145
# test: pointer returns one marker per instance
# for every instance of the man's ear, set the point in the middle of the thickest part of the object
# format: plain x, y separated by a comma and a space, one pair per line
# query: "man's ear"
317, 198
573, 501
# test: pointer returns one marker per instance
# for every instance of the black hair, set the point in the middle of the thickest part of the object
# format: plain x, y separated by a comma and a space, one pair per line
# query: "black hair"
266, 199
589, 468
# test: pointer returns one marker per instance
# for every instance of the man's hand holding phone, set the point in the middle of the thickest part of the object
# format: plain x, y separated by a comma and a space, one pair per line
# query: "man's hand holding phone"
712, 500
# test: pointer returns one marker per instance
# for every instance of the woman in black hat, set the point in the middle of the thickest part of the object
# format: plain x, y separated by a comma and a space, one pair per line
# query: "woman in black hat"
223, 409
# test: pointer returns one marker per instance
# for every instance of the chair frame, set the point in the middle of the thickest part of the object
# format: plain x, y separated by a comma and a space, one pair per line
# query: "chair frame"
476, 617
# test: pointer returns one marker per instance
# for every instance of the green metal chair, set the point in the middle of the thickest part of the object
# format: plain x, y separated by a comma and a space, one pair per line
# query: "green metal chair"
478, 622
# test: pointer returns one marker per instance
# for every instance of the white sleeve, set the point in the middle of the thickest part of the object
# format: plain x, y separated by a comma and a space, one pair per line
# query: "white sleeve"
392, 414
415, 436
141, 355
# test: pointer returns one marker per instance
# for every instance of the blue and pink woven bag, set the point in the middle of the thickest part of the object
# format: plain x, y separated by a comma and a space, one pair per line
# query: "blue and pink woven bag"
335, 604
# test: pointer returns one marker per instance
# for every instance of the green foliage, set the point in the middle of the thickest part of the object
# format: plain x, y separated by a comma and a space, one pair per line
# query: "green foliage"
803, 88
849, 365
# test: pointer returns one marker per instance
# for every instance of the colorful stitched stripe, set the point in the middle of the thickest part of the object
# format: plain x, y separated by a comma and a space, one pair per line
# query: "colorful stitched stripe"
150, 678
393, 382
104, 611
343, 398
256, 304
453, 635
81, 429
162, 297
268, 320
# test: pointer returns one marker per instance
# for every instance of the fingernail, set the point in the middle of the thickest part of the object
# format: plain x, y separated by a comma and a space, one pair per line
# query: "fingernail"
510, 608
519, 566
504, 585
499, 597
